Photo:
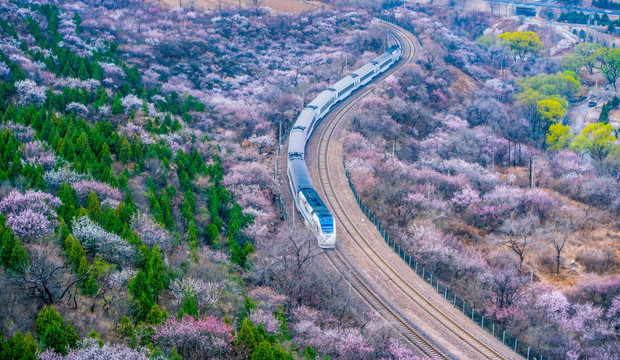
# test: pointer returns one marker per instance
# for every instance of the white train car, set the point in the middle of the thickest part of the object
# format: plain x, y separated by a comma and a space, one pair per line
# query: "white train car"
315, 214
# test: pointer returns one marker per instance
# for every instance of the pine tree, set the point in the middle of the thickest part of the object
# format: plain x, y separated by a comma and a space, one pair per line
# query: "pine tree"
157, 272
20, 347
69, 198
246, 336
117, 106
140, 290
124, 153
93, 206
189, 307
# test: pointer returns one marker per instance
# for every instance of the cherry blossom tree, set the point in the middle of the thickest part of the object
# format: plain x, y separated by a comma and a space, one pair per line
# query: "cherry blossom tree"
201, 338
31, 215
98, 241
89, 349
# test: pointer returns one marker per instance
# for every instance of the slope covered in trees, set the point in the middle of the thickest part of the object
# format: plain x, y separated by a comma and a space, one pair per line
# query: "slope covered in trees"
137, 191
447, 172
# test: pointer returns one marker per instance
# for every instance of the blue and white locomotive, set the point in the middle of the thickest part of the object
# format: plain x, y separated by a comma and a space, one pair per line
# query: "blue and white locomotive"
315, 214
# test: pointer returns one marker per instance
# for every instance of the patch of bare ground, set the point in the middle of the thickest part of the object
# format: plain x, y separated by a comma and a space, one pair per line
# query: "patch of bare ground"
277, 6
594, 247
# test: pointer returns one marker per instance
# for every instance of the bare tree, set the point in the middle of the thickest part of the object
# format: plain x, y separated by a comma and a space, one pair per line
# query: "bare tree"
292, 267
520, 233
47, 278
564, 223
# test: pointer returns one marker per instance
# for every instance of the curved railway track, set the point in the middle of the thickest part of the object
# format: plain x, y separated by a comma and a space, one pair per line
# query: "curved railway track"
330, 186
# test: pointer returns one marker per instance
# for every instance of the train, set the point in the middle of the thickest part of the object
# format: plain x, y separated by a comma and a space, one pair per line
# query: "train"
312, 209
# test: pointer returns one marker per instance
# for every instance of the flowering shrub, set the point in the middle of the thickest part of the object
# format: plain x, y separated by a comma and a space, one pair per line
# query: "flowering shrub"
29, 93
90, 350
203, 338
36, 153
98, 241
150, 231
206, 293
267, 320
103, 191
31, 215
55, 178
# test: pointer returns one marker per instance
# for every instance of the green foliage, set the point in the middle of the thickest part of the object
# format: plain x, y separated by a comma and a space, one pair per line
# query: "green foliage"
522, 43
140, 290
559, 137
239, 255
124, 152
246, 336
609, 64
54, 332
19, 347
607, 107
156, 316
95, 335
550, 111
598, 140
11, 167
13, 255
70, 202
93, 206
117, 106
157, 272
564, 85
309, 353
76, 259
189, 307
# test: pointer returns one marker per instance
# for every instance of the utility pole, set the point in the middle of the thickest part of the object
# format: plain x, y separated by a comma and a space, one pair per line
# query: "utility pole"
532, 172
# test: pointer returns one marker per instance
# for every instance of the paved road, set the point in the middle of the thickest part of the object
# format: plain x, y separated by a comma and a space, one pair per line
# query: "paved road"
556, 7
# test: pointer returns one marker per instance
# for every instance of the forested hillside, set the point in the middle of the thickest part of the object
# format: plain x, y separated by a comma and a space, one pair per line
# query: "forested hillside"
136, 183
481, 162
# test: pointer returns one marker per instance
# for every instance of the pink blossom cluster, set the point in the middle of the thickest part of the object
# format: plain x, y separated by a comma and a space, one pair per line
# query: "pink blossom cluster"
31, 215
328, 339
98, 241
29, 93
21, 132
78, 109
150, 231
265, 318
103, 191
206, 293
55, 178
36, 152
112, 71
89, 349
203, 338
132, 102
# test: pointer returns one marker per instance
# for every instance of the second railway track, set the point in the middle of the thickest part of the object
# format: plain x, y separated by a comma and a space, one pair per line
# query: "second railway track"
470, 343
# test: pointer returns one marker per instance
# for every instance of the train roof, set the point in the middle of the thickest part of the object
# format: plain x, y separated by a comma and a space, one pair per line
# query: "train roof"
305, 118
315, 201
364, 69
300, 175
322, 99
346, 81
297, 142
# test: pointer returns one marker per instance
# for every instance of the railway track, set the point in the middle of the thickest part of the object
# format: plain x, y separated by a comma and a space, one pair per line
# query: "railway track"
470, 344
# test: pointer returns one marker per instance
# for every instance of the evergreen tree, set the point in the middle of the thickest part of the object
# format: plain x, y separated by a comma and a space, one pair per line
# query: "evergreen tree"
13, 255
124, 152
117, 106
246, 336
20, 347
93, 206
140, 290
70, 201
54, 332
157, 272
189, 307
